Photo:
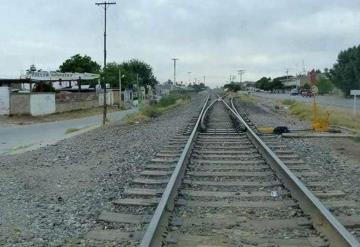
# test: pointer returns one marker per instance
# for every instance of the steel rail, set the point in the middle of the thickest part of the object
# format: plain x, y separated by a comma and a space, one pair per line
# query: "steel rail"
202, 122
323, 220
154, 233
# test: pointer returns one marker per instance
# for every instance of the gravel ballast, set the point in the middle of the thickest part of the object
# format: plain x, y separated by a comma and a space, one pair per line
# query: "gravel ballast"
337, 160
52, 196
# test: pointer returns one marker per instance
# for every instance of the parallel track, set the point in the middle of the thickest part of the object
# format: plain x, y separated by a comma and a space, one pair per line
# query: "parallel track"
221, 186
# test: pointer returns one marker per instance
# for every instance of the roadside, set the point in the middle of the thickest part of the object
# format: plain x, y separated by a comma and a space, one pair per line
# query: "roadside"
21, 138
26, 120
271, 114
325, 100
337, 160
53, 195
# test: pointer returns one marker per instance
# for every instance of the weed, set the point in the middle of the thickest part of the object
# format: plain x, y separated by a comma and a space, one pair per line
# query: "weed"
288, 102
71, 130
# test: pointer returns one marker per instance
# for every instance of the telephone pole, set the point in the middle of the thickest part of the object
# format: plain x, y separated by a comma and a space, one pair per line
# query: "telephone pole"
105, 5
174, 59
241, 72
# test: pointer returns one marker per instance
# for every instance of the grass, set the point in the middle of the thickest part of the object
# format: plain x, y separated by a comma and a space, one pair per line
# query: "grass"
165, 104
356, 139
288, 102
338, 116
71, 130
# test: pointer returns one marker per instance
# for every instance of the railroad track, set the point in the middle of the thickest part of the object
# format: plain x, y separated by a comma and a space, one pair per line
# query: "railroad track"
220, 185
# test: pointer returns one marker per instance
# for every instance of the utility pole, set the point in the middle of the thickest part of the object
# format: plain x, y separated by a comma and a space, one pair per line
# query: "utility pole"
204, 79
120, 100
174, 59
241, 72
138, 86
105, 5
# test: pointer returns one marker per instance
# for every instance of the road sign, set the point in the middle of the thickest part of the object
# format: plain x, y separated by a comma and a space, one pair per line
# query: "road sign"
314, 89
354, 92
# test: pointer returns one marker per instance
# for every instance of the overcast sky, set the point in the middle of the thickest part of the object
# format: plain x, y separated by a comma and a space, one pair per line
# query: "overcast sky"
210, 37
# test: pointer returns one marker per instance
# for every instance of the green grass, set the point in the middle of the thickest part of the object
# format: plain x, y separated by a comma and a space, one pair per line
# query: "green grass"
165, 104
356, 139
288, 102
71, 130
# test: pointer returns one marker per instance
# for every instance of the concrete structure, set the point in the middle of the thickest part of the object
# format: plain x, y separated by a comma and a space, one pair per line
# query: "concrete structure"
4, 101
20, 104
69, 101
110, 99
34, 104
298, 81
42, 104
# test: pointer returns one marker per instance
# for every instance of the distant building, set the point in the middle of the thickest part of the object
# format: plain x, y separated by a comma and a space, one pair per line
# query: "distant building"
295, 81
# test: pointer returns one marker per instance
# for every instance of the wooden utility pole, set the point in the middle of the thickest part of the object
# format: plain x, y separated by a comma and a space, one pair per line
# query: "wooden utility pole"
106, 5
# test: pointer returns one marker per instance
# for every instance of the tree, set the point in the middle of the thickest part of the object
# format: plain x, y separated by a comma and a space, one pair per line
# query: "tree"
233, 87
129, 71
345, 74
324, 84
80, 64
136, 67
276, 84
43, 87
264, 83
198, 87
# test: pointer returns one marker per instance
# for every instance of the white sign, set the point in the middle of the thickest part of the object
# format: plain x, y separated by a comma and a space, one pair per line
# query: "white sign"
354, 92
55, 76
314, 89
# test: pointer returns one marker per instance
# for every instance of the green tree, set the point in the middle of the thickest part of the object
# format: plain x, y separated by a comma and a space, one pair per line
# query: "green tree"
129, 71
276, 84
80, 64
234, 87
324, 85
345, 74
264, 83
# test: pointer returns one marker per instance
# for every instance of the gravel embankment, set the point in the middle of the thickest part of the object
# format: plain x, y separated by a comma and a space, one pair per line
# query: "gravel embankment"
53, 195
336, 159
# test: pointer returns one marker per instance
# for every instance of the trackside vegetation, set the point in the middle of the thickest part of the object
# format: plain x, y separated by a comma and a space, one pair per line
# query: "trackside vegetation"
338, 116
155, 109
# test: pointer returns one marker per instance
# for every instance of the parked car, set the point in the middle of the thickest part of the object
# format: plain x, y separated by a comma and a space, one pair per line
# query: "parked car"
294, 92
307, 93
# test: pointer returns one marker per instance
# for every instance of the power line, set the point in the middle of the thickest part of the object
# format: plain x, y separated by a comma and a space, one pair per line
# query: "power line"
105, 5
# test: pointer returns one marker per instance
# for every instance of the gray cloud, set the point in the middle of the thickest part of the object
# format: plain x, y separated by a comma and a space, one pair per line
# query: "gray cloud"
212, 38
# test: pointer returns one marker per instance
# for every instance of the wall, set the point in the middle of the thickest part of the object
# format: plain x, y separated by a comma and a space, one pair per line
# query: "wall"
20, 103
42, 104
4, 101
68, 101
109, 98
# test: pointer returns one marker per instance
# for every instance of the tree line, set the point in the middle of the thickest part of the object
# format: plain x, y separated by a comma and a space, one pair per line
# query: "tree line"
345, 75
131, 71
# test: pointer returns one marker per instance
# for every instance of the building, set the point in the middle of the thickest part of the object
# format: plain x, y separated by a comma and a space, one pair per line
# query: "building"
295, 81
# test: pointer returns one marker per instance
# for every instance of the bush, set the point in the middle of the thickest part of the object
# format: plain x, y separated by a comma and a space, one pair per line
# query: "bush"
151, 111
167, 100
43, 87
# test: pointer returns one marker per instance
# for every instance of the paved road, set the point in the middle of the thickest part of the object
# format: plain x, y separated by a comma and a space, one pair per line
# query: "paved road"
16, 139
322, 100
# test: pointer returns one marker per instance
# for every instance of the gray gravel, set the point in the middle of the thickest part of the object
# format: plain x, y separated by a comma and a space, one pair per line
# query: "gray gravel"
337, 160
53, 195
